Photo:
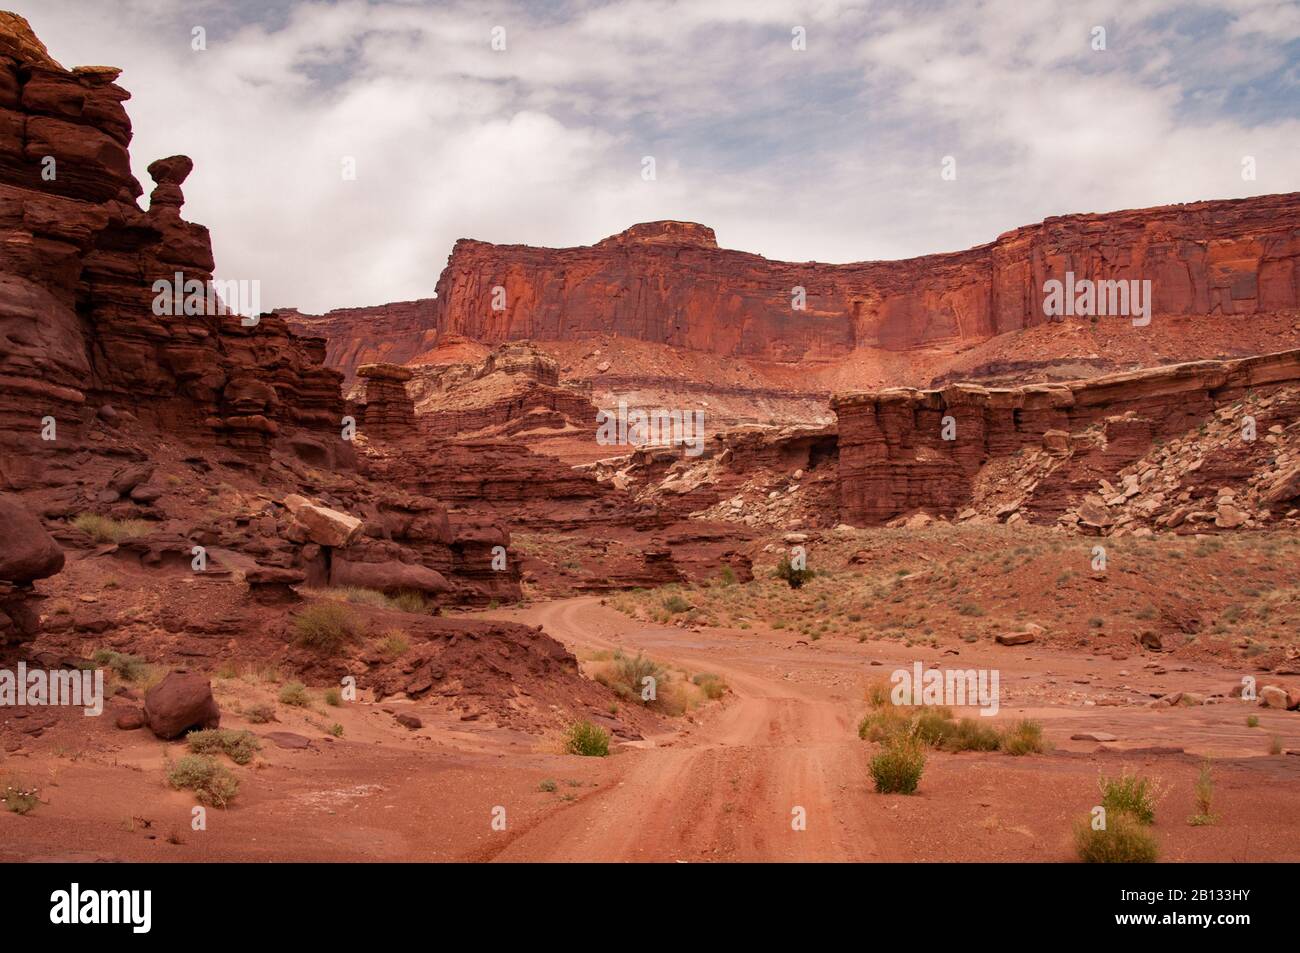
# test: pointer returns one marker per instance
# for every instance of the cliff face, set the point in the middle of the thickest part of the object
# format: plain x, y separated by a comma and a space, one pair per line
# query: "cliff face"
81, 343
904, 449
669, 283
386, 334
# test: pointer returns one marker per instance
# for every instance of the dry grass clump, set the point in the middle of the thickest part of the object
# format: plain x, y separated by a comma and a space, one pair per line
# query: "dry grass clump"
104, 529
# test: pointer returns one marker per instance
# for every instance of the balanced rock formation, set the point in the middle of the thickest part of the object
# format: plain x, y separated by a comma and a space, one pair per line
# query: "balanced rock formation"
92, 331
387, 410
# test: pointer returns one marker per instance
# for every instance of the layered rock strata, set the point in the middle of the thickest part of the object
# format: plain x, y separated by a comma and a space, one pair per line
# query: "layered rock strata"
905, 449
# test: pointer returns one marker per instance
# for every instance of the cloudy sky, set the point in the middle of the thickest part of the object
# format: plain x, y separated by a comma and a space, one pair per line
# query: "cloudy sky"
832, 153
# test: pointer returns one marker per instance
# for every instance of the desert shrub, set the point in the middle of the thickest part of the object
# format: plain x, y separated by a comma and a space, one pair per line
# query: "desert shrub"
548, 785
933, 725
333, 698
676, 604
794, 578
586, 739
897, 768
408, 600
336, 730
1130, 794
1204, 815
20, 798
295, 693
1252, 721
970, 734
630, 671
103, 529
326, 626
883, 724
712, 685
260, 714
394, 644
211, 783
1124, 841
128, 668
728, 576
1275, 744
1024, 737
240, 746
878, 693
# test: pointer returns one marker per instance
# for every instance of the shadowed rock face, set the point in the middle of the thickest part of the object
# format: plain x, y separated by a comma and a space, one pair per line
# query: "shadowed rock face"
79, 329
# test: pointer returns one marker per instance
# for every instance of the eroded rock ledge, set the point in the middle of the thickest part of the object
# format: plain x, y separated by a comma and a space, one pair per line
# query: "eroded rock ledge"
893, 457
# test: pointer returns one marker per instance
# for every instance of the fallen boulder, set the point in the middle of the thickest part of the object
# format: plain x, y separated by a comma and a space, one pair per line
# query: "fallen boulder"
322, 525
181, 702
27, 551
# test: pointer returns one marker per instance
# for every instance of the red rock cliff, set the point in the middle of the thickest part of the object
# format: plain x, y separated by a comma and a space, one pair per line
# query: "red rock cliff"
668, 282
386, 334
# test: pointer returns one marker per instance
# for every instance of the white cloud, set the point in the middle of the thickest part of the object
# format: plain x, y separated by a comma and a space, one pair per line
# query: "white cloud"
831, 154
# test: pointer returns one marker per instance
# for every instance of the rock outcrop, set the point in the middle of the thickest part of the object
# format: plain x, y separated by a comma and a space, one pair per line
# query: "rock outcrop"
904, 449
92, 333
387, 410
386, 334
27, 553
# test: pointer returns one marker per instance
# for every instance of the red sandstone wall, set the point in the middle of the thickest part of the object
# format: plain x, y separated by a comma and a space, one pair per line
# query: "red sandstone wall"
893, 458
670, 283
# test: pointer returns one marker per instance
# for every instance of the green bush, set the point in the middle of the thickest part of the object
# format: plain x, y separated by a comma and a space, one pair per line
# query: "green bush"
586, 739
295, 693
211, 783
240, 746
897, 769
326, 627
1124, 841
333, 697
794, 578
1130, 794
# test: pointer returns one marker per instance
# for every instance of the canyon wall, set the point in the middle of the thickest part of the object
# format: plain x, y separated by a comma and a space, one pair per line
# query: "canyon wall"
670, 283
903, 449
385, 334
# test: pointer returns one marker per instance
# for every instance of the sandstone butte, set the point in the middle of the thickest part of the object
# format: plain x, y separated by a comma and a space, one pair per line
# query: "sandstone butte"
669, 283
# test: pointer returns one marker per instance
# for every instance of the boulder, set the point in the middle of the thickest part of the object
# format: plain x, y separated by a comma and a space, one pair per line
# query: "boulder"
1274, 696
322, 525
1016, 638
408, 721
181, 702
27, 551
388, 576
